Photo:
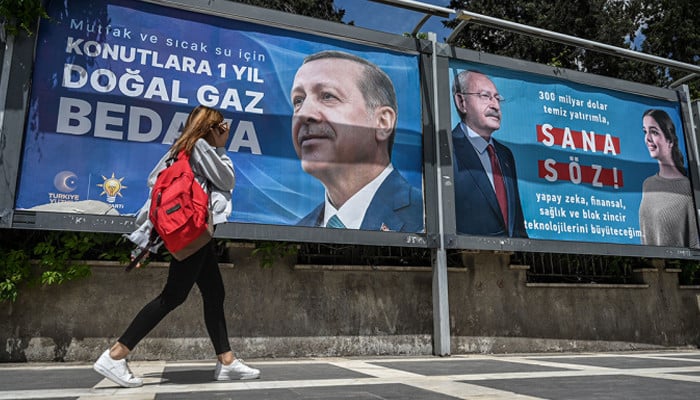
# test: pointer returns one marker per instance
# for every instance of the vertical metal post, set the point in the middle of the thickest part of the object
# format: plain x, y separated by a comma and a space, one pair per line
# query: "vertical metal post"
7, 174
441, 308
17, 64
5, 77
691, 120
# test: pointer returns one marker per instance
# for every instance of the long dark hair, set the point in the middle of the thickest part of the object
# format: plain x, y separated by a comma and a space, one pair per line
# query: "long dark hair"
198, 125
669, 130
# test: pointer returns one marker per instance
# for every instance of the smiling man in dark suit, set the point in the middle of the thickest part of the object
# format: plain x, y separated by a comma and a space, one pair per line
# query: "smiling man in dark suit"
343, 128
487, 201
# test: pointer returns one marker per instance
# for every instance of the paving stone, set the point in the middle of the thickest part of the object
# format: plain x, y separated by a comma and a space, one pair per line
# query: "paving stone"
669, 375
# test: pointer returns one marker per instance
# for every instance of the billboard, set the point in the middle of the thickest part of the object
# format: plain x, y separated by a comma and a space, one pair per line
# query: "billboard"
574, 162
115, 80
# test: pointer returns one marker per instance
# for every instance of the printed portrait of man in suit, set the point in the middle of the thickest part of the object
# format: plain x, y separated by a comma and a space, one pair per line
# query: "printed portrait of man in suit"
487, 201
343, 130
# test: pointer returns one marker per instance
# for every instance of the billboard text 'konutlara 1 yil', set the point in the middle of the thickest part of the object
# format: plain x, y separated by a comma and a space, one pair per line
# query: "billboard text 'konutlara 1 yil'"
114, 81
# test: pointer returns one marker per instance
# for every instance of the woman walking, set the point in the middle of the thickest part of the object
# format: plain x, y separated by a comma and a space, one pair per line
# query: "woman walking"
204, 138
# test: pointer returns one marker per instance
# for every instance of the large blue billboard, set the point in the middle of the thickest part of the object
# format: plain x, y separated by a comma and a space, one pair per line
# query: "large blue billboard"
578, 163
114, 81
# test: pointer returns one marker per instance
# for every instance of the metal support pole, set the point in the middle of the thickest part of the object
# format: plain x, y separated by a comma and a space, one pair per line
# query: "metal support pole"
467, 17
684, 80
5, 77
418, 6
441, 307
6, 195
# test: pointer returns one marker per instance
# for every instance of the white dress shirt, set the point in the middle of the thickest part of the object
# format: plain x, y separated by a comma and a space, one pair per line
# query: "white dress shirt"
353, 211
480, 145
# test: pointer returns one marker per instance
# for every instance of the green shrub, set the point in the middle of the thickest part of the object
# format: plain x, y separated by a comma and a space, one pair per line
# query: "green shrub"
60, 257
20, 15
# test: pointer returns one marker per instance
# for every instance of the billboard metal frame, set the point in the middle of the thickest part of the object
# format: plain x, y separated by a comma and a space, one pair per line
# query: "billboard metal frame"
440, 229
15, 73
679, 95
121, 224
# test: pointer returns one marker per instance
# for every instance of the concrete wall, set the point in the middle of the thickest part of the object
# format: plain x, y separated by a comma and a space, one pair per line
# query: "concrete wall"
492, 299
288, 311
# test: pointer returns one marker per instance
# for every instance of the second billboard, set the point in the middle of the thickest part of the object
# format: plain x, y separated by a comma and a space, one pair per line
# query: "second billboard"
544, 158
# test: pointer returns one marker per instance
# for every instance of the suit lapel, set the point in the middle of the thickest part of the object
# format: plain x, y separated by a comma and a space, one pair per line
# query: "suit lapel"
471, 164
391, 196
314, 218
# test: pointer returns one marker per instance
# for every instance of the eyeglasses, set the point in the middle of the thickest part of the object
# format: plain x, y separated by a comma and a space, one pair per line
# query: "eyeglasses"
486, 96
223, 125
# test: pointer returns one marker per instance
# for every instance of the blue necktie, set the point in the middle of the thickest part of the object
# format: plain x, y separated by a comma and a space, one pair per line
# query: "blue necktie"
335, 222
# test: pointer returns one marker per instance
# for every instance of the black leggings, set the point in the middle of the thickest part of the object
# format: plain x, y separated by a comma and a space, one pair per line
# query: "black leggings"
201, 268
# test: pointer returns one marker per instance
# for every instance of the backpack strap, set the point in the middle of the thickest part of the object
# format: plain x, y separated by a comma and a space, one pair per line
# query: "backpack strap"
170, 160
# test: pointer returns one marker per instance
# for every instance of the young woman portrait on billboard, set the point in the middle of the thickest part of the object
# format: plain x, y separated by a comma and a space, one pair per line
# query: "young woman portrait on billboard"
667, 211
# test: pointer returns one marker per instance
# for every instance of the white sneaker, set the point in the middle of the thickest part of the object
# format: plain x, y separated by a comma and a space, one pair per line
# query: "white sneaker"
234, 371
116, 371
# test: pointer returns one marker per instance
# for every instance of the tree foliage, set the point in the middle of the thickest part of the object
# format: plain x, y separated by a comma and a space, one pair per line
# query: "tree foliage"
20, 15
672, 30
321, 9
666, 28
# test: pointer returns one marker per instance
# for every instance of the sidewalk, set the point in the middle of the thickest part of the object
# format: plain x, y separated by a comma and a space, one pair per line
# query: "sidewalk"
631, 375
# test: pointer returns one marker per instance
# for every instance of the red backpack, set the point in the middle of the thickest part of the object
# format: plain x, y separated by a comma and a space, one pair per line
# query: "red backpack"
180, 209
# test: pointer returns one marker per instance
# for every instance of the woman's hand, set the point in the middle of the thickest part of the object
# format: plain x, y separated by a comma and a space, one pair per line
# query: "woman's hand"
220, 134
142, 256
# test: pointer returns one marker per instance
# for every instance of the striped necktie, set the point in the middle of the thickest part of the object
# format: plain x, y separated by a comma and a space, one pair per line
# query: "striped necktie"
335, 222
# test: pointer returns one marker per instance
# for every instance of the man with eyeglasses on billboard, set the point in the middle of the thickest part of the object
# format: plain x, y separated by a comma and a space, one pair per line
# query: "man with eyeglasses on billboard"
487, 201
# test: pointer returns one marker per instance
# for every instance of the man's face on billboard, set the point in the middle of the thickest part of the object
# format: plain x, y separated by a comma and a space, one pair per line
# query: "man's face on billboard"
479, 104
332, 129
